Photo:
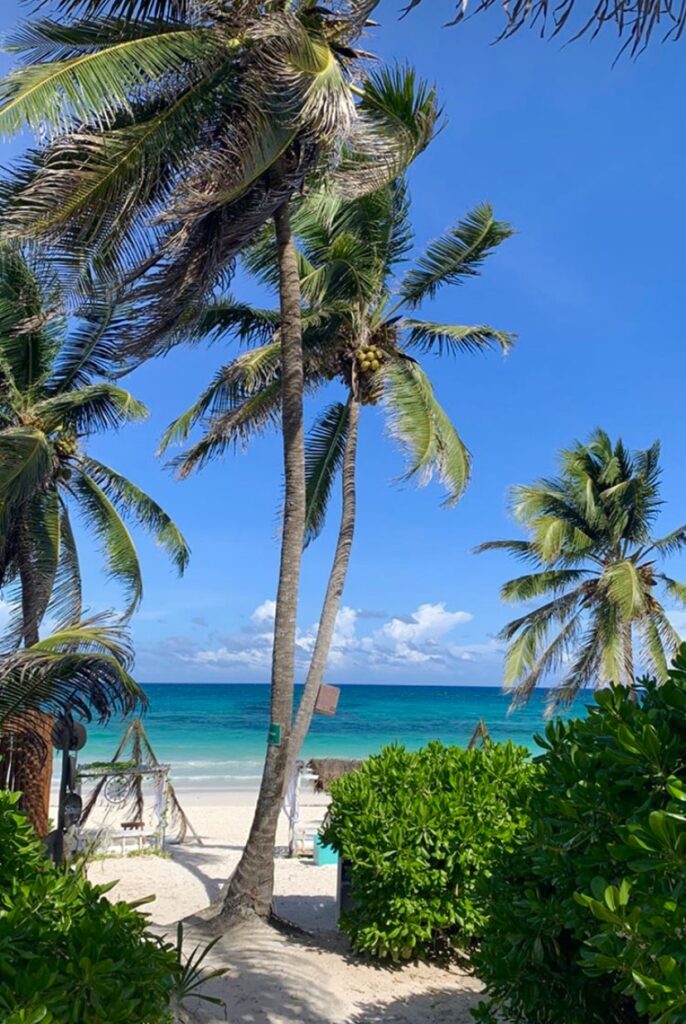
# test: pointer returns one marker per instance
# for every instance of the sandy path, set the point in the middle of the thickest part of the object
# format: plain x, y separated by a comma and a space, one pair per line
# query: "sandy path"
274, 978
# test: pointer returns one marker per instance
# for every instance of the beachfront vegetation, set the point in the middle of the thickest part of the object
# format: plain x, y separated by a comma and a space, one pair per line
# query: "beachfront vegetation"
53, 398
67, 953
589, 537
421, 831
587, 916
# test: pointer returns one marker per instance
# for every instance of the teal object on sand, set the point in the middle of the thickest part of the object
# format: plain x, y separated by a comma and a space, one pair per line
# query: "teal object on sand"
324, 854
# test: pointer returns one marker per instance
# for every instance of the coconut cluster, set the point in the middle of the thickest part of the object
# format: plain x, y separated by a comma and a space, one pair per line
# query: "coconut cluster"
369, 358
65, 444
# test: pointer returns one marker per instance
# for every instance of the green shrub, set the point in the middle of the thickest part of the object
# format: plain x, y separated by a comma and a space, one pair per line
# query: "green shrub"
66, 952
420, 830
588, 917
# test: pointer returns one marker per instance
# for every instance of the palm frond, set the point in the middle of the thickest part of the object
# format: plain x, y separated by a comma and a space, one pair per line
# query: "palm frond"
66, 605
674, 588
396, 118
550, 581
93, 407
422, 427
132, 501
546, 660
120, 552
454, 339
671, 544
84, 669
324, 451
524, 550
637, 21
626, 589
230, 386
653, 650
455, 255
26, 463
90, 349
237, 426
97, 83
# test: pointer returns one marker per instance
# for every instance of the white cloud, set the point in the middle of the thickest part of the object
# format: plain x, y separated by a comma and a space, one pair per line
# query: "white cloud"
428, 622
264, 614
424, 637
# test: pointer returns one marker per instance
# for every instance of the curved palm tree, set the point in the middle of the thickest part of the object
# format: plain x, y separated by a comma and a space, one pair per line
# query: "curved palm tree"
596, 559
181, 127
85, 669
360, 328
50, 403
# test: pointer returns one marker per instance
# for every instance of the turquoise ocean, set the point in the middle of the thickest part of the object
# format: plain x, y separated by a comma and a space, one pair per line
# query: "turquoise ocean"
213, 735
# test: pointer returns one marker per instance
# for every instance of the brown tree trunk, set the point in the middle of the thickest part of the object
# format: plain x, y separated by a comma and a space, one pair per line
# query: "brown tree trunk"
250, 889
334, 590
31, 765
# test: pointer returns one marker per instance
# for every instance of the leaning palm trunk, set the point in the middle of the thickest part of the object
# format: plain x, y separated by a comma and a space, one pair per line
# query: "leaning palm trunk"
334, 590
251, 886
30, 770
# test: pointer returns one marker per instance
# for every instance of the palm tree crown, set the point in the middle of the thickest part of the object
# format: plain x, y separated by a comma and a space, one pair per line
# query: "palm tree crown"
360, 329
51, 401
176, 129
590, 539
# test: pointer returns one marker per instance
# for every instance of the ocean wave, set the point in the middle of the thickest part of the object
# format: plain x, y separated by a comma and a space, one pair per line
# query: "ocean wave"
215, 778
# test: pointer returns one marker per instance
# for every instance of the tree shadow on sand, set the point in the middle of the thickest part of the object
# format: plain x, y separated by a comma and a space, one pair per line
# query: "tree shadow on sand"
435, 1006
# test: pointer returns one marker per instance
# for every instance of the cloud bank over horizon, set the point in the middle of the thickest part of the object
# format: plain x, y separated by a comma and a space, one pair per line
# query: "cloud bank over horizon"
367, 646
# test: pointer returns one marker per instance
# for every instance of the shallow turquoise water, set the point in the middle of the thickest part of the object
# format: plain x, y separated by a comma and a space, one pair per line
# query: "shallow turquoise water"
214, 735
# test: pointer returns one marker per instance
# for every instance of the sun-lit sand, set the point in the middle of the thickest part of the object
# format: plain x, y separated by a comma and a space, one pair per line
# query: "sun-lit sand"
273, 977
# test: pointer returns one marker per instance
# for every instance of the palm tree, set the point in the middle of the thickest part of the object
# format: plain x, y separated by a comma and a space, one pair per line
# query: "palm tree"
51, 402
84, 669
181, 127
636, 20
591, 543
360, 327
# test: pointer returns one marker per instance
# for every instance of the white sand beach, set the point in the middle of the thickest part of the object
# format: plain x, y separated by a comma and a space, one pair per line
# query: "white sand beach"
273, 977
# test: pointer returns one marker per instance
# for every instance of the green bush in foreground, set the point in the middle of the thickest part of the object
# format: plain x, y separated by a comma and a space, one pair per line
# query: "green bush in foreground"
66, 952
588, 919
421, 830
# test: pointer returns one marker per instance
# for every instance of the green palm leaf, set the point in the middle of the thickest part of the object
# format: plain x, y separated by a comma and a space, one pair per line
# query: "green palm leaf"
97, 83
120, 552
456, 255
453, 338
94, 407
230, 386
396, 119
420, 424
234, 427
26, 463
550, 581
626, 589
324, 451
84, 668
132, 501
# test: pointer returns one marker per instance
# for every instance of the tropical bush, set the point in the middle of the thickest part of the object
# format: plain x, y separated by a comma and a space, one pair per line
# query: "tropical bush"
588, 917
421, 830
66, 952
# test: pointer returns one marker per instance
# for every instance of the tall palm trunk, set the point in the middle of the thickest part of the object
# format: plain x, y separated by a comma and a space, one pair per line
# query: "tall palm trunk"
31, 767
250, 889
334, 590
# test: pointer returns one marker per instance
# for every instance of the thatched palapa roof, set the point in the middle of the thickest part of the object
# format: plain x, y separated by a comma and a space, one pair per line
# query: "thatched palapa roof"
328, 769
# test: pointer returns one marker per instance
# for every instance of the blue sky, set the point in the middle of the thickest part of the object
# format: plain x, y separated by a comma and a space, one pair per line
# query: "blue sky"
587, 162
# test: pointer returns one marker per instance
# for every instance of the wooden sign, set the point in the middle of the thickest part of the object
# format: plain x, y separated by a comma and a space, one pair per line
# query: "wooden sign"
327, 699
